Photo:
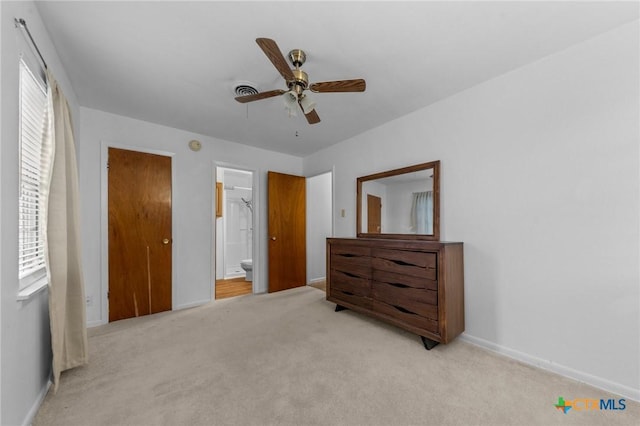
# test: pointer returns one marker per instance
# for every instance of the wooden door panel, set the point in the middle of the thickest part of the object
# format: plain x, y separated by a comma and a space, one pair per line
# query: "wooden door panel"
287, 231
140, 235
374, 214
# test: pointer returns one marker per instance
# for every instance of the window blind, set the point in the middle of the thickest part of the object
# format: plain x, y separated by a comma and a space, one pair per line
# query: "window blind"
33, 107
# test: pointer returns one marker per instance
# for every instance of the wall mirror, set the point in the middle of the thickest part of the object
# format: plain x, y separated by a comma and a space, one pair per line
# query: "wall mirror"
402, 203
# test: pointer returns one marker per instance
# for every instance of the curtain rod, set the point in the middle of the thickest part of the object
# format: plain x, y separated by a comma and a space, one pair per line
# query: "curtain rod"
21, 23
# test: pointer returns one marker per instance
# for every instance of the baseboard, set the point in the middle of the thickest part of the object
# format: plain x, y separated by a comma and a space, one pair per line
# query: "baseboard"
316, 280
598, 382
95, 323
28, 420
192, 304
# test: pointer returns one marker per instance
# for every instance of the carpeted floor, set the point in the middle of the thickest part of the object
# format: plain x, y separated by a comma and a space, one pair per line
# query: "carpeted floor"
288, 359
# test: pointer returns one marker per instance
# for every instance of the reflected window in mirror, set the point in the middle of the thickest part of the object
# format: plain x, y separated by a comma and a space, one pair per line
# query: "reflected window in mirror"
401, 203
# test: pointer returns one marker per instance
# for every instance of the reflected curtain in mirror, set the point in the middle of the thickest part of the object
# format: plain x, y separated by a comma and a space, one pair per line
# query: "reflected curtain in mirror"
422, 212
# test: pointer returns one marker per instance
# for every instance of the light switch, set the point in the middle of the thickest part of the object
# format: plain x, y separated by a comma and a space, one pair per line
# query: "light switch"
342, 213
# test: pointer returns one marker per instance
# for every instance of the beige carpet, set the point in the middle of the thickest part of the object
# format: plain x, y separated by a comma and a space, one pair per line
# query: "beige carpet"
288, 359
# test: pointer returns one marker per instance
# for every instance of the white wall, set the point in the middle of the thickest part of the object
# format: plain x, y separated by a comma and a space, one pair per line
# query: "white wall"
193, 198
24, 334
540, 181
319, 225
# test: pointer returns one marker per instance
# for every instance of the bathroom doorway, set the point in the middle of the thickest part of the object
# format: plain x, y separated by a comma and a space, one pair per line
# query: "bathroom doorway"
234, 232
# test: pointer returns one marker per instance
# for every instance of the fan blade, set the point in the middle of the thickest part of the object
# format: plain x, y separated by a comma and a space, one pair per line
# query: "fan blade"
258, 96
271, 49
357, 85
312, 117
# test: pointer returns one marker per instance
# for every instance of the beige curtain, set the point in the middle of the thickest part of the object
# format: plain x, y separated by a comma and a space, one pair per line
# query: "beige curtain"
66, 287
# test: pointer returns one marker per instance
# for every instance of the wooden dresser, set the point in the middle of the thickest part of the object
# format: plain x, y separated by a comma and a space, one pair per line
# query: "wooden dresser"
416, 285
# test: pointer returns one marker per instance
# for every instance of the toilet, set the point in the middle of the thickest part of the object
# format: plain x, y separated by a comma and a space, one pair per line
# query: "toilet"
247, 265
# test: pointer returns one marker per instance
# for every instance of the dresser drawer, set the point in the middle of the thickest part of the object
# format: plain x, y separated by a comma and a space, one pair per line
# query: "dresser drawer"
351, 259
348, 250
339, 296
360, 267
420, 302
347, 282
405, 280
405, 316
413, 263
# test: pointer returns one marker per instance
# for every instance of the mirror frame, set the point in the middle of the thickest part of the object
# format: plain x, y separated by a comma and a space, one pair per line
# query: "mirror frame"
435, 165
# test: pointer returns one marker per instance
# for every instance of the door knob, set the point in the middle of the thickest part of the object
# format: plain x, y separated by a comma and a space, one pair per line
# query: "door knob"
165, 241
273, 238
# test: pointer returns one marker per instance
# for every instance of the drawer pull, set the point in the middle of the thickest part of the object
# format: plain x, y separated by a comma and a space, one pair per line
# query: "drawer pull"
399, 285
406, 311
401, 262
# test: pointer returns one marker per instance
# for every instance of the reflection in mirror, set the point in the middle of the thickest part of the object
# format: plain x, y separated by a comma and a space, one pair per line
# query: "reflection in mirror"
408, 205
400, 203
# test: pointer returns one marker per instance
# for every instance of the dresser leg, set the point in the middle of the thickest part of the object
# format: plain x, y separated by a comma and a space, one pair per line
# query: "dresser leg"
340, 308
428, 343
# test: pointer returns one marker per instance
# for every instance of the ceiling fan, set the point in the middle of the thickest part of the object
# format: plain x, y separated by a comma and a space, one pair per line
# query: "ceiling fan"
298, 81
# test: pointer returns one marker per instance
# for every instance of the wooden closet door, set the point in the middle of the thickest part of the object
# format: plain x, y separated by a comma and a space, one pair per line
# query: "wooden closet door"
287, 231
140, 239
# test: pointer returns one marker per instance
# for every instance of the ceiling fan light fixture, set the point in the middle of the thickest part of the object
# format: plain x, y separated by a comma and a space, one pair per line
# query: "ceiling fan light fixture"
290, 102
307, 104
297, 82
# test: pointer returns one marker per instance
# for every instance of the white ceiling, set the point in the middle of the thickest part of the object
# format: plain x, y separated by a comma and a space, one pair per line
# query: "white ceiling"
176, 63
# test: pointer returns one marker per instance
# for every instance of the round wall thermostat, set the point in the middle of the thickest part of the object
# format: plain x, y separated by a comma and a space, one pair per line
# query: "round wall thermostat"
195, 145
